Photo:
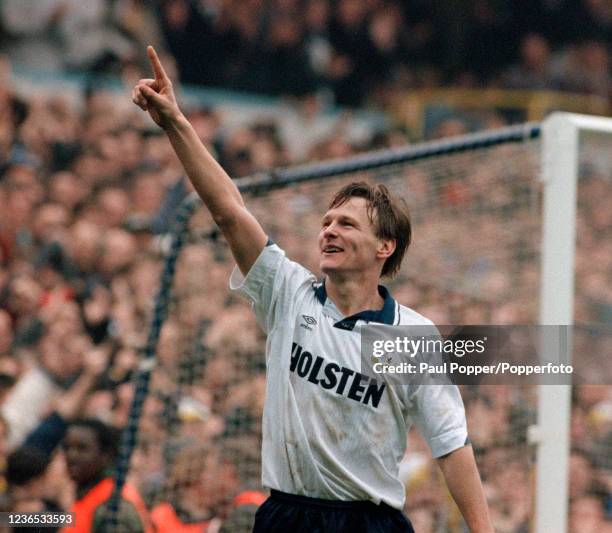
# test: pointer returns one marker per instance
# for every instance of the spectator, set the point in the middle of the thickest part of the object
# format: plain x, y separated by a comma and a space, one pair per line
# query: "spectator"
585, 68
586, 515
286, 54
26, 474
91, 448
203, 485
32, 27
352, 62
490, 42
533, 72
186, 29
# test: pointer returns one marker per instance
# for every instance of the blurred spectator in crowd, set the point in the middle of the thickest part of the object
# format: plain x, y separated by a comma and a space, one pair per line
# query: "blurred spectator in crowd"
33, 31
55, 34
26, 475
595, 18
490, 40
186, 29
203, 484
584, 68
352, 64
586, 515
91, 448
533, 71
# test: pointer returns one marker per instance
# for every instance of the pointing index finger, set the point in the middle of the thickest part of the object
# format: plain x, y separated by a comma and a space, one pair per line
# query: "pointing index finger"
158, 69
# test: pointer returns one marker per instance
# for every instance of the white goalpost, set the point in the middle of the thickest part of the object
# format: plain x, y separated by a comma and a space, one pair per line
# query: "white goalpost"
561, 137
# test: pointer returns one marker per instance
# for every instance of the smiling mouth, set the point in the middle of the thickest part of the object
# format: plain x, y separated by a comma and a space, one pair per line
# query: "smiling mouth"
332, 250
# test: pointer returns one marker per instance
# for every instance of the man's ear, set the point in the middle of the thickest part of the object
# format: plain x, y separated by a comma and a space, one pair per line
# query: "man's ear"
385, 248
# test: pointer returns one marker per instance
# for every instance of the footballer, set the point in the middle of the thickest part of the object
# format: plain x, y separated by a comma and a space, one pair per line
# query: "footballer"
332, 437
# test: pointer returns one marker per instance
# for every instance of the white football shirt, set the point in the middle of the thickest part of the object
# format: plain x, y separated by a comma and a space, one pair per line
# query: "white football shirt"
329, 431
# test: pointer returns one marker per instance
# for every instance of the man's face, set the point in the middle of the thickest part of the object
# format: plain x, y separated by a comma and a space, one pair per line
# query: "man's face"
84, 459
347, 240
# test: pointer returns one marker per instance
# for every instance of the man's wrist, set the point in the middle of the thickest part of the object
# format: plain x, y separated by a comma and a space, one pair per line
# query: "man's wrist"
175, 123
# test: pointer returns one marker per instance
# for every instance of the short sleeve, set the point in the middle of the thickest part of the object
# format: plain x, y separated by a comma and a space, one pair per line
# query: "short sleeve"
438, 413
272, 285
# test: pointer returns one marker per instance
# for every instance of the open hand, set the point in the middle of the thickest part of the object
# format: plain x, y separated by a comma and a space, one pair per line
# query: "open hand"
156, 96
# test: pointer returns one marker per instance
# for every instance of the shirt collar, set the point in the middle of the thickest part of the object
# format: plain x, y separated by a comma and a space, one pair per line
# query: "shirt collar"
386, 315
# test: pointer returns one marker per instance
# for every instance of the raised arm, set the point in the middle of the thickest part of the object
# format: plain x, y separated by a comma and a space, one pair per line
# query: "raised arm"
219, 193
463, 482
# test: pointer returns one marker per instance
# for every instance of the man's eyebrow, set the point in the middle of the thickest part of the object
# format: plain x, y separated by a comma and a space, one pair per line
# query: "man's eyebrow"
349, 218
341, 218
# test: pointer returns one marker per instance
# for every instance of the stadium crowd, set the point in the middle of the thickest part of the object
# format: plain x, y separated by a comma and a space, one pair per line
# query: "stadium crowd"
87, 197
357, 51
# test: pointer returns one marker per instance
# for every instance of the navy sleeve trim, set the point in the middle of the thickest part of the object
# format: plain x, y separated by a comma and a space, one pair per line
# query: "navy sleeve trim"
48, 434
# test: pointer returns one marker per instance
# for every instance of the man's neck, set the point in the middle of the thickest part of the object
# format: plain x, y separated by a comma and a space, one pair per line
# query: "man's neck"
354, 295
82, 490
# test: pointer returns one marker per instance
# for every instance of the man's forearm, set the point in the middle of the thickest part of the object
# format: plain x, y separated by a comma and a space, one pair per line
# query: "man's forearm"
212, 183
463, 482
244, 235
69, 404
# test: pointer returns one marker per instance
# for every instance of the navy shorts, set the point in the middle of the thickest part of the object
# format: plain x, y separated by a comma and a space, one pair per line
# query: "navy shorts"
288, 513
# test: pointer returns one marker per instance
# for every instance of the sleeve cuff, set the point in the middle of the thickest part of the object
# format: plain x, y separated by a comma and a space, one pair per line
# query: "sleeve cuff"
448, 442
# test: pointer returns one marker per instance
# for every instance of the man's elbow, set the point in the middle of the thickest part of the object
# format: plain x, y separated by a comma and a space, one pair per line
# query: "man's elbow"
226, 218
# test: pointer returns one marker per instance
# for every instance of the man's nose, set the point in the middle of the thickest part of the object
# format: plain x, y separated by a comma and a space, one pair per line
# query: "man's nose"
70, 454
330, 230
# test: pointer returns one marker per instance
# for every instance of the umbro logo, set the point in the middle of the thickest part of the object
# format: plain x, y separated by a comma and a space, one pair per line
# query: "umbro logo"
309, 321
